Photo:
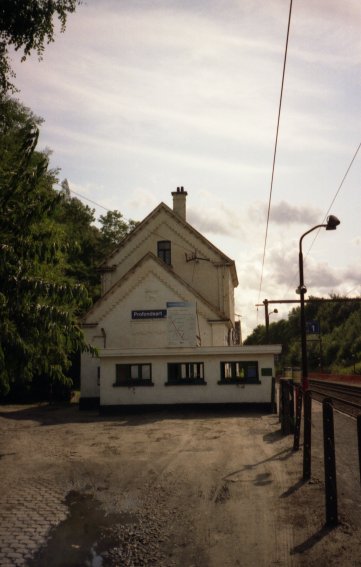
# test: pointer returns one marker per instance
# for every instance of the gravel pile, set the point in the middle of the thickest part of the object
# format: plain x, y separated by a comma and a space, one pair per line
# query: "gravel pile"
142, 542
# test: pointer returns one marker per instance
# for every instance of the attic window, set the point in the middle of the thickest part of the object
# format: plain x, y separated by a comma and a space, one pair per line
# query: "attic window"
164, 251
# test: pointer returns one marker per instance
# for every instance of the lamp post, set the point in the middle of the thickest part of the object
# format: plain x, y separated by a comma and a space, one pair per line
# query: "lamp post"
267, 316
332, 223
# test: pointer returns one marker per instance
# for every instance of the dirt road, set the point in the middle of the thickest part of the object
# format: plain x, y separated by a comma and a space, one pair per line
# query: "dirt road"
193, 489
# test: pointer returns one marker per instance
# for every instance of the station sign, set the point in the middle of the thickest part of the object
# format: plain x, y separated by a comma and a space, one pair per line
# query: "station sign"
149, 314
313, 327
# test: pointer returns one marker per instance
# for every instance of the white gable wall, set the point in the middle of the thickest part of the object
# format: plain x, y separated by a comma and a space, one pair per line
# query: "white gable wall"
206, 273
150, 287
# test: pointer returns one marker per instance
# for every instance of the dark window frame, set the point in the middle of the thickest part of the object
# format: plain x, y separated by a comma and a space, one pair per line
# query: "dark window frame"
124, 372
185, 374
164, 251
239, 372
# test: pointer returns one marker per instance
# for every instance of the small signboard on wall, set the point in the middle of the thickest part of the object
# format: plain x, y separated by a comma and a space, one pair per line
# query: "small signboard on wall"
181, 323
149, 314
313, 327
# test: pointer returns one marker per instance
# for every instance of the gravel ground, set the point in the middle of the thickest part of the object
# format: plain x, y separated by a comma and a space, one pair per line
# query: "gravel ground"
190, 489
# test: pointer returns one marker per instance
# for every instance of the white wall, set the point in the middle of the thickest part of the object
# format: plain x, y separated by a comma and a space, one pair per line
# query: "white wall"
212, 392
89, 376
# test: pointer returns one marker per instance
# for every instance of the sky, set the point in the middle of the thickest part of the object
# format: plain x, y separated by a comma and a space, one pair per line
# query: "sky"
139, 98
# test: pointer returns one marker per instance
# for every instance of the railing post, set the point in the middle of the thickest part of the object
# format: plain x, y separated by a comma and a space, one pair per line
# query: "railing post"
273, 396
329, 463
307, 436
280, 408
292, 407
359, 441
285, 423
296, 440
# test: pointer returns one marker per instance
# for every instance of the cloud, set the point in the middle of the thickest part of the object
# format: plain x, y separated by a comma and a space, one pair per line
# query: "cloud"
284, 213
281, 275
216, 220
141, 198
209, 223
322, 276
353, 275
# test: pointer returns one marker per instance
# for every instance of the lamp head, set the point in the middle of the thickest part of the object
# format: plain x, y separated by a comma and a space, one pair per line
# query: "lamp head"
332, 222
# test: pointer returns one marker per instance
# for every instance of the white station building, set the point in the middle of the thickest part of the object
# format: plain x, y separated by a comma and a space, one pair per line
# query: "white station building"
165, 325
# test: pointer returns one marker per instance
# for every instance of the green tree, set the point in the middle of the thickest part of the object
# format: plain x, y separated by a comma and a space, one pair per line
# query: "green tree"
28, 25
337, 349
38, 304
84, 251
113, 229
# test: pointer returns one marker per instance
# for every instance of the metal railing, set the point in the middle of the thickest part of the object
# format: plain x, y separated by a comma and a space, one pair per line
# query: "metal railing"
291, 400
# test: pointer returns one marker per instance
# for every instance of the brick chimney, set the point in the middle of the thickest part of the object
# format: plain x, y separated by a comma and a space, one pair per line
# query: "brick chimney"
179, 202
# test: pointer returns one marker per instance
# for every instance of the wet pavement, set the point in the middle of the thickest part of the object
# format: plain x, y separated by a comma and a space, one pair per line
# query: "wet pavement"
164, 490
27, 513
77, 539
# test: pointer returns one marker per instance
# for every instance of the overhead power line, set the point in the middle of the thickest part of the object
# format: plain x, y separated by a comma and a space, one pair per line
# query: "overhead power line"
275, 149
90, 201
335, 197
163, 237
332, 202
94, 202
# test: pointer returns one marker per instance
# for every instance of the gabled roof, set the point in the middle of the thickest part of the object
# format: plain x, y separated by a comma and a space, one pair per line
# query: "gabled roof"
163, 207
130, 274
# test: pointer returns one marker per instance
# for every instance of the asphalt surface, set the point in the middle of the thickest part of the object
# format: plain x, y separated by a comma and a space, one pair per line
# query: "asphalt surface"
190, 489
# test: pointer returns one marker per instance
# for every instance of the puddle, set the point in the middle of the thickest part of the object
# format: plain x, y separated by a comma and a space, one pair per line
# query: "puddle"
75, 542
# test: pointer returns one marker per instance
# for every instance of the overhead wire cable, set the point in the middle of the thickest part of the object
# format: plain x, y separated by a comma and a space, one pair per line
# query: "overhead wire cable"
275, 148
333, 200
335, 197
106, 209
358, 286
87, 199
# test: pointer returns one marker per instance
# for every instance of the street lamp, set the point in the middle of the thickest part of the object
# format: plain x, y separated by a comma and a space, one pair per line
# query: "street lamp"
267, 316
332, 223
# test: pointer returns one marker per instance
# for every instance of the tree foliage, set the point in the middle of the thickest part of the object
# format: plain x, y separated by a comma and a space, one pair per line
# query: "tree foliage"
336, 349
113, 229
38, 305
76, 222
28, 25
50, 248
